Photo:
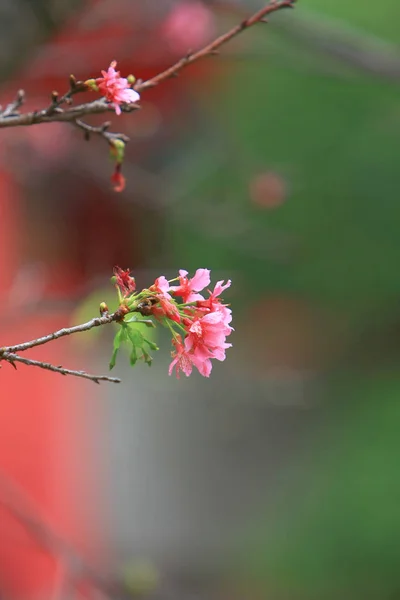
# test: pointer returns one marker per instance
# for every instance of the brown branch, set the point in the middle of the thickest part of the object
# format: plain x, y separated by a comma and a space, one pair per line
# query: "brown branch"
89, 130
213, 47
74, 88
54, 113
96, 322
13, 358
12, 108
59, 115
9, 353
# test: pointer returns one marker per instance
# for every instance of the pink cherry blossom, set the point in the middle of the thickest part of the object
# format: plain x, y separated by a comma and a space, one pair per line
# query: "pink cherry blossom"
184, 359
213, 303
116, 89
187, 287
161, 284
181, 360
166, 306
219, 288
209, 332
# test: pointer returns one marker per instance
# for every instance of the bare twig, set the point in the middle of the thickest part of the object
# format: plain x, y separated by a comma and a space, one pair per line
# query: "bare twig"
12, 108
13, 358
71, 114
214, 46
96, 322
101, 131
9, 353
74, 88
54, 113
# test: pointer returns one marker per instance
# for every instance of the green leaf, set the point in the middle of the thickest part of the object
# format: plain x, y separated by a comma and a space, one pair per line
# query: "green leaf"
120, 337
151, 344
133, 356
147, 322
130, 333
135, 337
138, 342
147, 358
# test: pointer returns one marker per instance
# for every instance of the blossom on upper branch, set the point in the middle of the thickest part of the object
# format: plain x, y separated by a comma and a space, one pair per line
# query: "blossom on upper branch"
116, 89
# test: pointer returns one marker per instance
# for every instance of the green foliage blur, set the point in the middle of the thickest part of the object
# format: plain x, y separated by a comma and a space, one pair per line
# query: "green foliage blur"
331, 131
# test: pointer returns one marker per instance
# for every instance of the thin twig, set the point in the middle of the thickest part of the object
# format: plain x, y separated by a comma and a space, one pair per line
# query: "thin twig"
101, 131
9, 353
96, 322
75, 87
12, 108
54, 113
71, 114
212, 48
12, 358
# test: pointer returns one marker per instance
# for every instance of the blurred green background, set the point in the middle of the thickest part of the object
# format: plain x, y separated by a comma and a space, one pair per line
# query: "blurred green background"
330, 129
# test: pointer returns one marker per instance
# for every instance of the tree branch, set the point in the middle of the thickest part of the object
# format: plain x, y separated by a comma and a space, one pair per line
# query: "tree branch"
11, 117
9, 353
61, 115
89, 130
96, 322
213, 47
13, 358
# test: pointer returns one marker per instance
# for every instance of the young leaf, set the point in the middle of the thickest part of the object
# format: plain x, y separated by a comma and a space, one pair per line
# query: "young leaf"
138, 342
147, 358
135, 337
120, 337
147, 322
133, 356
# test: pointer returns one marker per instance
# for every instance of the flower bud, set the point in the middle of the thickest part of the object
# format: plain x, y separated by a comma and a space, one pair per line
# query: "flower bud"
92, 85
117, 150
103, 309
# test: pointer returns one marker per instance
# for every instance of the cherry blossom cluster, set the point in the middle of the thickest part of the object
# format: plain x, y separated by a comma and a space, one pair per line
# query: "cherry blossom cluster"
199, 324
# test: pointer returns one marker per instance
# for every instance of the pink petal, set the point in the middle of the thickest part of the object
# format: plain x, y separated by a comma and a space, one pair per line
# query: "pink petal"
162, 284
213, 318
219, 288
172, 365
193, 297
200, 280
203, 366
